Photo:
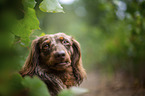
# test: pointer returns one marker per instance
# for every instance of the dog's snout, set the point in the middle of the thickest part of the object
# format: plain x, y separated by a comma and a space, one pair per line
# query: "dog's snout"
59, 55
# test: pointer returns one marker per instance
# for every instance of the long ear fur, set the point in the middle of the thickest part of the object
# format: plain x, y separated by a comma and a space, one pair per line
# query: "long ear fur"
78, 69
32, 60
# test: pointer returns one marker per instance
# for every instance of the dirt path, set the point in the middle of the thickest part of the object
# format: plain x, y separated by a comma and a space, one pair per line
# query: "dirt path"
91, 84
99, 85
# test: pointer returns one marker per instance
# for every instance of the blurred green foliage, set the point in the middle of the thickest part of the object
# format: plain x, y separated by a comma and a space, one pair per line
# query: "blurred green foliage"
111, 34
18, 21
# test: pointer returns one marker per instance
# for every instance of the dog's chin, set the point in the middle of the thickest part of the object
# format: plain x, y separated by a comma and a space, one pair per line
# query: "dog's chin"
61, 65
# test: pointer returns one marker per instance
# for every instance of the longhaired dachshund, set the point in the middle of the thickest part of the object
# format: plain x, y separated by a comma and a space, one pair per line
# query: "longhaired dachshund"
55, 59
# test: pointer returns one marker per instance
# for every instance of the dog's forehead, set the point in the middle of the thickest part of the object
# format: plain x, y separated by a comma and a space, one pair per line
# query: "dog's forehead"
58, 35
54, 37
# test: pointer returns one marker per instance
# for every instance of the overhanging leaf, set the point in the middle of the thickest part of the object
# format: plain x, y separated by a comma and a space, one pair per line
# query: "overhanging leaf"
52, 6
24, 27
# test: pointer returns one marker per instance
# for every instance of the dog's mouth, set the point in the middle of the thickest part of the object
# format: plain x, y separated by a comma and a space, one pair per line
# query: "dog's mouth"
61, 65
66, 63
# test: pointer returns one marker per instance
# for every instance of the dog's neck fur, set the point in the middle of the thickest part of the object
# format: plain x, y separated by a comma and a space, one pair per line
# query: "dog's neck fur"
66, 76
56, 80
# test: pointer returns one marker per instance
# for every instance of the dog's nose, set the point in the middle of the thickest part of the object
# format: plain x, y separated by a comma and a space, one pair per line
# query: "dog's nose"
59, 55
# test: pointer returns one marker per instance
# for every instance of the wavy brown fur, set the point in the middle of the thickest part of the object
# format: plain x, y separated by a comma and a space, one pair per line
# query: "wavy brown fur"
56, 59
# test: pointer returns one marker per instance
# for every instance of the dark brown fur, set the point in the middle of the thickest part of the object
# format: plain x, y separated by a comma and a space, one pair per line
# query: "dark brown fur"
56, 59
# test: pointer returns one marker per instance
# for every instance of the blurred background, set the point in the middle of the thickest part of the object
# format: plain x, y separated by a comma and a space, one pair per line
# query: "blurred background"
112, 38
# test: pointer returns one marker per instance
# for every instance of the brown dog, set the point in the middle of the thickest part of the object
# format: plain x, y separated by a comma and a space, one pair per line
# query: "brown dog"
56, 59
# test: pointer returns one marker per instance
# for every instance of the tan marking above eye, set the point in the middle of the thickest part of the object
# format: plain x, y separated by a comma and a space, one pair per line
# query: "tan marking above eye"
48, 41
61, 38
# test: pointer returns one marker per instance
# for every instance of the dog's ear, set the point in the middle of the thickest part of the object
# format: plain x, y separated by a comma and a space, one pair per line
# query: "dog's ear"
78, 69
32, 60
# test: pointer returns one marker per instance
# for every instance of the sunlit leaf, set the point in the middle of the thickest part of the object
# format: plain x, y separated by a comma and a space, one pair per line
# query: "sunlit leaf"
52, 6
78, 90
73, 91
24, 27
29, 3
42, 34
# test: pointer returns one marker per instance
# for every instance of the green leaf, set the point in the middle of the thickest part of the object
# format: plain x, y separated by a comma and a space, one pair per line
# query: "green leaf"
16, 81
78, 91
24, 27
66, 93
11, 38
42, 34
52, 6
36, 86
29, 3
73, 91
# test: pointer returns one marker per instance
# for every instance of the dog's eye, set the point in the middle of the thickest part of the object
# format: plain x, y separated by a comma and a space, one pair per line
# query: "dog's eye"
46, 46
65, 42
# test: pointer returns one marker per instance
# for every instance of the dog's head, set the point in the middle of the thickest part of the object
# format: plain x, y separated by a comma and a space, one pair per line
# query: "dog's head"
58, 52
